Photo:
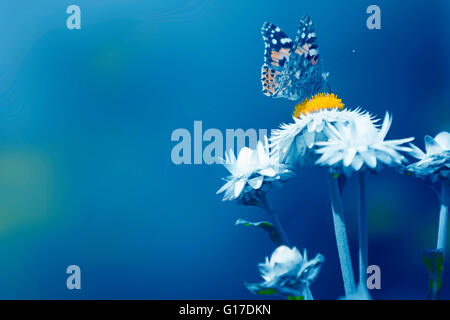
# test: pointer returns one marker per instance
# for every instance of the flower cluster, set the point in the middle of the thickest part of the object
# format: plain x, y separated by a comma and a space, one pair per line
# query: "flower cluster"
287, 273
345, 141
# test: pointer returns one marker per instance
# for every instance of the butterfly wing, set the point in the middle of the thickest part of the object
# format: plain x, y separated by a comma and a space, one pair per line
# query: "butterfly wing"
301, 76
278, 47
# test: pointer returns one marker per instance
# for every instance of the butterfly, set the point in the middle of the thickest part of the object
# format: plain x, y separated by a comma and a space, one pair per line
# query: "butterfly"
291, 69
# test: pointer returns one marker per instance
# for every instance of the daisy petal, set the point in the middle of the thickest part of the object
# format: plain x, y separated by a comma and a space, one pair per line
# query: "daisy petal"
416, 152
269, 172
431, 146
225, 187
385, 126
309, 138
357, 163
256, 183
443, 139
238, 187
349, 156
369, 158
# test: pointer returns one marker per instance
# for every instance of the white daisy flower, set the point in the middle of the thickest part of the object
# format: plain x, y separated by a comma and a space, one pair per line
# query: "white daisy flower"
434, 163
360, 145
253, 171
287, 273
294, 142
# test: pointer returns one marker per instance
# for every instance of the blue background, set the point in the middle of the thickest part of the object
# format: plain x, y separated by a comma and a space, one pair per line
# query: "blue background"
86, 118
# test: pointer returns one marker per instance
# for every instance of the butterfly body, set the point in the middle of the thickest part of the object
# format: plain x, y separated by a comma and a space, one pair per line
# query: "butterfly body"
291, 69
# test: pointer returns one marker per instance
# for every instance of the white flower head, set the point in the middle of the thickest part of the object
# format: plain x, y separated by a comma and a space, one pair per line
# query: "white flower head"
254, 170
294, 142
288, 273
434, 163
360, 145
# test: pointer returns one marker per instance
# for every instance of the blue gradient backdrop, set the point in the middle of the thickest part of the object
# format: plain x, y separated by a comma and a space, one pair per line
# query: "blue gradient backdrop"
86, 118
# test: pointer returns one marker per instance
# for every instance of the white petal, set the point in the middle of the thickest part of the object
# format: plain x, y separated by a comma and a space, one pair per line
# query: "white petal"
335, 159
443, 139
384, 157
238, 187
311, 126
398, 141
309, 138
385, 127
230, 162
269, 172
357, 163
300, 146
320, 126
284, 255
431, 146
244, 157
369, 158
229, 193
225, 186
331, 132
230, 157
263, 157
256, 183
324, 158
416, 152
349, 155
397, 157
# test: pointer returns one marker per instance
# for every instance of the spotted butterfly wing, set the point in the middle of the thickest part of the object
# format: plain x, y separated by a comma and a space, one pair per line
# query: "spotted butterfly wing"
278, 47
300, 75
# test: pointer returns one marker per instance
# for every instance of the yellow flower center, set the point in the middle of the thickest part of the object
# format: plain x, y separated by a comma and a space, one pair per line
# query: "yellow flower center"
320, 101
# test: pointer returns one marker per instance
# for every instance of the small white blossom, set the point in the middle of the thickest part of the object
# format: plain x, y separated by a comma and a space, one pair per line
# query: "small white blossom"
434, 163
287, 273
253, 170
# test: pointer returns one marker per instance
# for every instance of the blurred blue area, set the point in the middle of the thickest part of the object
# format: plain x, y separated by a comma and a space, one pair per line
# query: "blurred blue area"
86, 118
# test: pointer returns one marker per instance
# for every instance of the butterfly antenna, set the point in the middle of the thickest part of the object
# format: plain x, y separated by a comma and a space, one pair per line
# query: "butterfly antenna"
328, 86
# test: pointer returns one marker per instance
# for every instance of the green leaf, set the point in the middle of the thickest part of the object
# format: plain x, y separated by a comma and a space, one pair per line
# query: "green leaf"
267, 291
296, 298
258, 289
266, 226
434, 261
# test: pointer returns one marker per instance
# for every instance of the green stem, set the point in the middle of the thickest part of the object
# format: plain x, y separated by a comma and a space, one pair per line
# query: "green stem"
341, 236
272, 213
443, 218
362, 236
441, 240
